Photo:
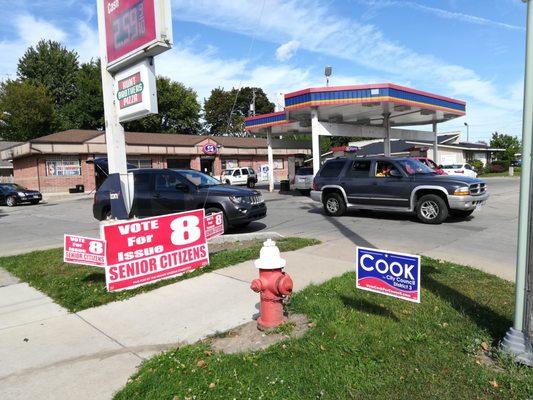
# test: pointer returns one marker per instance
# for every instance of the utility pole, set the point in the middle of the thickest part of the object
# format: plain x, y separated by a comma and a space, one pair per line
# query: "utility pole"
467, 132
252, 105
517, 341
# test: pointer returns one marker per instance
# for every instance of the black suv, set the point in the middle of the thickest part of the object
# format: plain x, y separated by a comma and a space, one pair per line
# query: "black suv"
395, 184
165, 191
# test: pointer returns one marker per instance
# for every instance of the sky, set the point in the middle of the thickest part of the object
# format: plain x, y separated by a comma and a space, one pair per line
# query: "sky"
472, 50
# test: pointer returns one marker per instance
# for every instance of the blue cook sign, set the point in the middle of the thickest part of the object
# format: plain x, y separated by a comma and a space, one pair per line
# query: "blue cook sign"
389, 273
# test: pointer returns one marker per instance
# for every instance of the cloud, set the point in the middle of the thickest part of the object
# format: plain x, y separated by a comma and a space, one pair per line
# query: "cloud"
287, 50
442, 13
30, 30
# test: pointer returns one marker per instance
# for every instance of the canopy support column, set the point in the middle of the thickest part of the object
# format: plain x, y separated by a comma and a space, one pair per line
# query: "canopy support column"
436, 157
315, 136
270, 161
386, 142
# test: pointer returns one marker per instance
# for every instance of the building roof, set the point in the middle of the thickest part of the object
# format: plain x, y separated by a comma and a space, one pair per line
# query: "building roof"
4, 145
70, 136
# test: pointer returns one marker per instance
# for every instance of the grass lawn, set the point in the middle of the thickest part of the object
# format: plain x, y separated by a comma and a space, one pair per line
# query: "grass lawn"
77, 287
364, 346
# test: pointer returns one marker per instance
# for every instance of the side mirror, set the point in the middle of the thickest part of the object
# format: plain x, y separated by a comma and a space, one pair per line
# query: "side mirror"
182, 187
395, 173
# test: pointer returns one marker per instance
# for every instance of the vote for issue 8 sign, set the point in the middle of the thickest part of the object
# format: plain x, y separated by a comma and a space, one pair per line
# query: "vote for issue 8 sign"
389, 273
150, 249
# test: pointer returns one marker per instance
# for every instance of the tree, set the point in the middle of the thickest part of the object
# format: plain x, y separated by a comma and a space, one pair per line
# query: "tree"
86, 110
26, 111
52, 66
222, 103
179, 110
511, 144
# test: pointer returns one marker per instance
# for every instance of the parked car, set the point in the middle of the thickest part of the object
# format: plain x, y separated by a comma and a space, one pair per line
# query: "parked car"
516, 163
460, 169
303, 180
166, 191
12, 194
431, 164
396, 184
239, 176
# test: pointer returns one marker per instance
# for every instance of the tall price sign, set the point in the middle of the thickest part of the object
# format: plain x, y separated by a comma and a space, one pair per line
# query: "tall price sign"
136, 29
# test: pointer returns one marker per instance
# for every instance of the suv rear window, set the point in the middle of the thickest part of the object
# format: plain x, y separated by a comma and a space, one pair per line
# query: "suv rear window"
332, 169
359, 168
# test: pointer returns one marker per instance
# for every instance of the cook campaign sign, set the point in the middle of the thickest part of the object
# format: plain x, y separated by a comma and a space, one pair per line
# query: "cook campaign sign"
389, 273
147, 250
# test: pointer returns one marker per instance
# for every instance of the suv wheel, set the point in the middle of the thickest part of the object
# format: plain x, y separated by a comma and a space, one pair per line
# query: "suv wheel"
250, 183
11, 201
334, 204
431, 209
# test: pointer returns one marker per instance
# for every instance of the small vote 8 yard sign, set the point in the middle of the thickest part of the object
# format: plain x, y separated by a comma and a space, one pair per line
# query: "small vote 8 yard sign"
389, 273
151, 249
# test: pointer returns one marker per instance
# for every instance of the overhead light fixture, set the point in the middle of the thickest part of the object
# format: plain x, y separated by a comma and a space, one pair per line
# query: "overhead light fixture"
402, 107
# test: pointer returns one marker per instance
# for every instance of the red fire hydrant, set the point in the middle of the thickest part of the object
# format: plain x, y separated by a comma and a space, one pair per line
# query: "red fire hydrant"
273, 284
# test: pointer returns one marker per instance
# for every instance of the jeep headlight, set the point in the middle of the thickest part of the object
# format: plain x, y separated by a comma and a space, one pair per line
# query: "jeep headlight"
462, 191
239, 199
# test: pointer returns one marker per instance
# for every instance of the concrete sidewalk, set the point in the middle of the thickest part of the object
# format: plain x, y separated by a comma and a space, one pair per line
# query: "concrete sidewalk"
48, 353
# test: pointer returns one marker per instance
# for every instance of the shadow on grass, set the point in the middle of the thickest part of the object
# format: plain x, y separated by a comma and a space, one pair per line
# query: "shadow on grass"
368, 307
95, 277
483, 316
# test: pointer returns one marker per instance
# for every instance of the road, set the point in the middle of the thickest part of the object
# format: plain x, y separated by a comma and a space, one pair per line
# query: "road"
487, 240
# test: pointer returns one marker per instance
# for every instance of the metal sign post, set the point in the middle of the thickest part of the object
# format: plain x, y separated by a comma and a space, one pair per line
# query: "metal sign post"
517, 342
131, 33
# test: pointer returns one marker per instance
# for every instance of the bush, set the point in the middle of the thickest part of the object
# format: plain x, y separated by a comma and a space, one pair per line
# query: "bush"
497, 166
477, 164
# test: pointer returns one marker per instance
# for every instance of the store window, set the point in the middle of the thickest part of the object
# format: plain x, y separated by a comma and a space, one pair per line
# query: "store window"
228, 163
278, 163
141, 162
63, 168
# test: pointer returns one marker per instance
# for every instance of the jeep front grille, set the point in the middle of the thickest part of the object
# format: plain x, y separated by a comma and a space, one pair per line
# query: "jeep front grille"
478, 188
256, 199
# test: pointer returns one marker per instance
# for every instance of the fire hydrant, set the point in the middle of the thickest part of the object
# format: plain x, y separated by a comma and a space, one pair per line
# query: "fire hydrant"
273, 285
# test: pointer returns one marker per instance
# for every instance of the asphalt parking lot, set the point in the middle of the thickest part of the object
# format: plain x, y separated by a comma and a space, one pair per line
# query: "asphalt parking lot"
487, 240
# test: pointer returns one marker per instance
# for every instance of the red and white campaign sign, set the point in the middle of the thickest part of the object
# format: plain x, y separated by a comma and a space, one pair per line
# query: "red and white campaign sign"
214, 225
85, 251
147, 250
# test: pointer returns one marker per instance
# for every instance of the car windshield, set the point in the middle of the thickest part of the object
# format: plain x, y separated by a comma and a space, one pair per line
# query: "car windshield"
14, 186
227, 172
452, 166
414, 167
199, 179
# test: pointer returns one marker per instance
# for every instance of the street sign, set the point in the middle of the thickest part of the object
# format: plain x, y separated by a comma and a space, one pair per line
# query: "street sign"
389, 273
136, 29
214, 225
136, 91
84, 251
148, 250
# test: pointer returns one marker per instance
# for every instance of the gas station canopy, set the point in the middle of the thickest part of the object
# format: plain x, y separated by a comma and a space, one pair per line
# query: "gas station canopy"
357, 105
366, 111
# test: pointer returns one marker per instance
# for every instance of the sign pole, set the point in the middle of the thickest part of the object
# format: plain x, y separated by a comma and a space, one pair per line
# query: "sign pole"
517, 342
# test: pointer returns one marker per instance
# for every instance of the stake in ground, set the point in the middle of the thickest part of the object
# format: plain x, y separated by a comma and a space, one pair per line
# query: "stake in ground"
363, 346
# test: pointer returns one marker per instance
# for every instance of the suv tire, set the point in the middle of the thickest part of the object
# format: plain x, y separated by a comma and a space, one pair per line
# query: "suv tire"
431, 209
250, 183
334, 204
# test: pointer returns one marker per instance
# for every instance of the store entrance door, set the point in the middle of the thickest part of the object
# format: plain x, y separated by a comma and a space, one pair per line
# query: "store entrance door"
206, 165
